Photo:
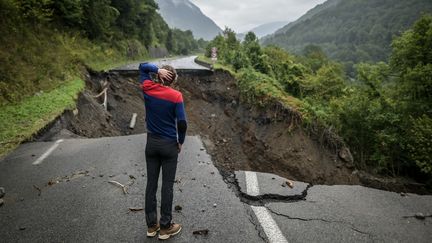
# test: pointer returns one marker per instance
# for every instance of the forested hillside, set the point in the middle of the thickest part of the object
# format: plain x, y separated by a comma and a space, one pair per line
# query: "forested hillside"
384, 115
351, 31
44, 43
185, 15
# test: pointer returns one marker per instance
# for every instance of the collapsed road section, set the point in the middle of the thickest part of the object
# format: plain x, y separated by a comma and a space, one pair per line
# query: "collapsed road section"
238, 135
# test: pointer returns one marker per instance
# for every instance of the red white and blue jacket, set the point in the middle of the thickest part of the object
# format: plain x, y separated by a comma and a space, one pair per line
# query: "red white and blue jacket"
165, 113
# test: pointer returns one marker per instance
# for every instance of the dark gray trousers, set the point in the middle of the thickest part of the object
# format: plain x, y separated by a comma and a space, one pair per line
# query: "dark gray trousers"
160, 153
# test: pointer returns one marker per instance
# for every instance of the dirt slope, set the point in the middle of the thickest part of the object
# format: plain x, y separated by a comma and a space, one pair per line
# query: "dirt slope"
237, 135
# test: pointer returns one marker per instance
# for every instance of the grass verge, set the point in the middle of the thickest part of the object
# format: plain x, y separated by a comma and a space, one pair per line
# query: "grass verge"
20, 121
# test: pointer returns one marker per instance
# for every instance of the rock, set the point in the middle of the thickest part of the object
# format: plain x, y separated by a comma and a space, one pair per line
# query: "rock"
178, 208
289, 183
346, 156
214, 205
101, 175
1, 202
212, 173
201, 232
420, 216
2, 192
193, 178
22, 228
132, 177
204, 185
213, 115
403, 194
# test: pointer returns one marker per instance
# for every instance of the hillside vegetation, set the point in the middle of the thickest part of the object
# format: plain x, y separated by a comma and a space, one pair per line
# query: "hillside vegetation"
384, 115
43, 43
46, 46
351, 31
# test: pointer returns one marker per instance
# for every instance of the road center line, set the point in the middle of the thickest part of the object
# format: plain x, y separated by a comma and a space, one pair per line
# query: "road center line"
48, 152
271, 229
252, 187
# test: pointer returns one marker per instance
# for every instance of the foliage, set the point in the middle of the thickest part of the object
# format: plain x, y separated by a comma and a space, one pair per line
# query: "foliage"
420, 146
45, 42
384, 114
351, 31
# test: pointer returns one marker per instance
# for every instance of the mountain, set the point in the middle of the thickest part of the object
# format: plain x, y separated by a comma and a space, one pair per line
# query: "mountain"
351, 31
309, 14
269, 28
184, 15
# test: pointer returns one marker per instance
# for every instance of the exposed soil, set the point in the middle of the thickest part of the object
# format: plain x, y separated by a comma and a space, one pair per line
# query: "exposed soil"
239, 136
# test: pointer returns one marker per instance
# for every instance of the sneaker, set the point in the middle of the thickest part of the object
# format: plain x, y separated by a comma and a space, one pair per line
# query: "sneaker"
165, 234
152, 231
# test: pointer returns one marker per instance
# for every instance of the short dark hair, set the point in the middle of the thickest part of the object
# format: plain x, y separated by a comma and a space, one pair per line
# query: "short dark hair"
168, 82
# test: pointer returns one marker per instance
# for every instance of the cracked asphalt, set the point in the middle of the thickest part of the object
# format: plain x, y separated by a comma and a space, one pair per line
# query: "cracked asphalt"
77, 204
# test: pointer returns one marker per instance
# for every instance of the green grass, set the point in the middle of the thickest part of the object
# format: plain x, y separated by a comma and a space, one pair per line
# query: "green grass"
21, 121
257, 88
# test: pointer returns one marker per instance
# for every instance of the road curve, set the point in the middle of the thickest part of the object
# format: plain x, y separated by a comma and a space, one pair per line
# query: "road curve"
183, 63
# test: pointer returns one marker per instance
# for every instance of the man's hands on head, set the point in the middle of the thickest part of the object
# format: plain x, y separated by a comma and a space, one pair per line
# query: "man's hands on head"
165, 74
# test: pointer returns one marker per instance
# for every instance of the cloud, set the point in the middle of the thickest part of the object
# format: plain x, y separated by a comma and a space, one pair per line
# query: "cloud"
243, 15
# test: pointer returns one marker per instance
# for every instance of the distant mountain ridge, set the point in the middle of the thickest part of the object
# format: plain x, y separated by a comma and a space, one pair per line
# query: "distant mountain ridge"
351, 31
268, 28
184, 15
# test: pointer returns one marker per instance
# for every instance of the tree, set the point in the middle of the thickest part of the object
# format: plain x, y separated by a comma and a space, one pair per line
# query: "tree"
35, 11
411, 59
100, 16
70, 12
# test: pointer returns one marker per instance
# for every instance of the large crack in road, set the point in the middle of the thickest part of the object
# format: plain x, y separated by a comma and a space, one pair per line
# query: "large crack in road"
239, 137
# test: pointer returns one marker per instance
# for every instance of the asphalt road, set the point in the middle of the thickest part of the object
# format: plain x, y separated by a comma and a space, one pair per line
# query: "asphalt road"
187, 63
81, 206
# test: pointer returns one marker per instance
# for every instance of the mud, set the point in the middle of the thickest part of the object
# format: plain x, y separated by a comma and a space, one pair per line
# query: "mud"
238, 136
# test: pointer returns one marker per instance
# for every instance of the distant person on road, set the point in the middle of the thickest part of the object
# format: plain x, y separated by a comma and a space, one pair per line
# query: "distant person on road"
166, 125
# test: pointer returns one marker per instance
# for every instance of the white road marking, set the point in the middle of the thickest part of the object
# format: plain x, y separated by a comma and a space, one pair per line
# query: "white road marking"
48, 152
271, 229
252, 187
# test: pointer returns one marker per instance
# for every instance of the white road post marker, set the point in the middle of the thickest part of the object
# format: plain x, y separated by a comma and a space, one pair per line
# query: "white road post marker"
48, 152
270, 227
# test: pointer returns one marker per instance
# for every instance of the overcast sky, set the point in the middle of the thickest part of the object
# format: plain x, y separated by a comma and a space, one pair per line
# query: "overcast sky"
243, 15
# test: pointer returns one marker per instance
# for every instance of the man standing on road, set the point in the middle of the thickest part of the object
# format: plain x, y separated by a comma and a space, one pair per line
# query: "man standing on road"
166, 125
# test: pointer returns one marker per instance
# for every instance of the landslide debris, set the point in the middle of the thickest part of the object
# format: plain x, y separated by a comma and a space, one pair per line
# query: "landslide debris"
239, 136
